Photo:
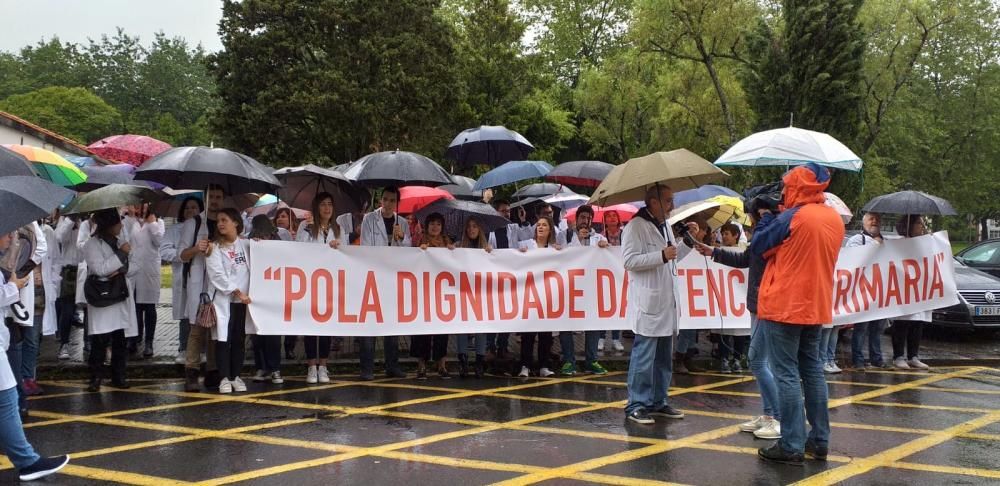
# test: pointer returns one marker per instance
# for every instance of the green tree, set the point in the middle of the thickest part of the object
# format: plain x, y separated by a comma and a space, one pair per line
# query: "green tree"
118, 59
73, 112
333, 80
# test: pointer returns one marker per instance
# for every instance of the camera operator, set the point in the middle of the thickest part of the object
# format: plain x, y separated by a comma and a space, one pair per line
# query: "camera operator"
800, 245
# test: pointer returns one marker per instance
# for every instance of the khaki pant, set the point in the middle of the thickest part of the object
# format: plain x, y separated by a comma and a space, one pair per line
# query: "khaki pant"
200, 339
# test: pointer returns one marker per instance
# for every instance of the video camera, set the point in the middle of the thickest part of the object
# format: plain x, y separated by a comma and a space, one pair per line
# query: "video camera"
680, 229
767, 196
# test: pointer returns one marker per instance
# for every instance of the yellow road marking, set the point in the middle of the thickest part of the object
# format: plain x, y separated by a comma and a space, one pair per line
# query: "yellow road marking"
888, 390
924, 407
117, 476
982, 473
889, 456
751, 450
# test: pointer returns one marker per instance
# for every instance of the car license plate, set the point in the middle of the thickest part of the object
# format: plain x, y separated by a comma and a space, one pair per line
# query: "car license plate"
988, 311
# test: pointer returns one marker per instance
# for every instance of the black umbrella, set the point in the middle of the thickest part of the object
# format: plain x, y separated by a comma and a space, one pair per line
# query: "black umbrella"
909, 202
456, 213
14, 164
28, 198
199, 167
541, 189
588, 173
397, 168
301, 184
489, 145
462, 189
112, 196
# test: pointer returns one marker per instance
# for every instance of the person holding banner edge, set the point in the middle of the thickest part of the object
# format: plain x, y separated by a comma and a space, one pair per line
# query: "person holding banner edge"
584, 236
545, 237
383, 227
907, 330
871, 234
427, 347
648, 247
801, 246
228, 276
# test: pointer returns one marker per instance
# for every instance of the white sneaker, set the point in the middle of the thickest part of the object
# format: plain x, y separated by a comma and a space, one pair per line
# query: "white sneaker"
324, 374
754, 424
181, 358
311, 377
600, 346
916, 363
900, 363
276, 378
64, 351
260, 376
525, 372
827, 369
225, 386
617, 343
770, 430
545, 372
835, 369
238, 385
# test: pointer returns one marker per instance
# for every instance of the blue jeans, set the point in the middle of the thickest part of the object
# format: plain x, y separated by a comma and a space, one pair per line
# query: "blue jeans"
686, 340
29, 348
462, 344
12, 440
795, 360
757, 356
828, 344
569, 348
873, 331
14, 358
650, 368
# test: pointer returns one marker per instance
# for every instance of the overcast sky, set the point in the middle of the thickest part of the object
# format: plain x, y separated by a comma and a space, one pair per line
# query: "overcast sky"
28, 21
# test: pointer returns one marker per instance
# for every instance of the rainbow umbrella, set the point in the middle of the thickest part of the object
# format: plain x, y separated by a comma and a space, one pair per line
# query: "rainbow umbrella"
51, 166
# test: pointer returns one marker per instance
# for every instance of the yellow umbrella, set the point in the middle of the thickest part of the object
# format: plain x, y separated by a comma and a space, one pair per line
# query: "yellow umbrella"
715, 212
680, 169
51, 166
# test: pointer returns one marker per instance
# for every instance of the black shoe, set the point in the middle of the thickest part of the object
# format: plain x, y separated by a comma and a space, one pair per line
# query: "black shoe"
668, 412
776, 454
147, 351
480, 366
421, 374
641, 416
212, 380
816, 452
94, 385
395, 373
120, 384
443, 374
43, 467
367, 377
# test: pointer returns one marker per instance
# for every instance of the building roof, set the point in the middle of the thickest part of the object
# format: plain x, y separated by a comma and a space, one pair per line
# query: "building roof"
50, 137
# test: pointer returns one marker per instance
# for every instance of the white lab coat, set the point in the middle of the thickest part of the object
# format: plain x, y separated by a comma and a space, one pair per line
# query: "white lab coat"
102, 261
28, 292
514, 235
196, 279
594, 239
170, 251
82, 236
652, 304
8, 295
223, 278
373, 230
66, 236
303, 235
51, 279
146, 239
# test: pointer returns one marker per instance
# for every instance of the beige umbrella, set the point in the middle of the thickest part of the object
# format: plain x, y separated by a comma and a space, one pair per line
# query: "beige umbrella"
717, 213
680, 169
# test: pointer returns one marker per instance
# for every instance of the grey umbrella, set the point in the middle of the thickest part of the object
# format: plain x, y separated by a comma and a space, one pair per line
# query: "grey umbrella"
199, 167
397, 168
909, 202
28, 198
112, 196
588, 173
462, 188
541, 189
14, 164
100, 176
456, 213
301, 184
489, 145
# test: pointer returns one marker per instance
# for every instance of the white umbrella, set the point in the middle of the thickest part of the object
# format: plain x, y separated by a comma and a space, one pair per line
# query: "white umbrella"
790, 146
566, 201
838, 205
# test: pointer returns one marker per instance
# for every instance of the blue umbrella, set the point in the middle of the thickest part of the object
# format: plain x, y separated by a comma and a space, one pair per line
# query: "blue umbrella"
702, 193
513, 171
490, 145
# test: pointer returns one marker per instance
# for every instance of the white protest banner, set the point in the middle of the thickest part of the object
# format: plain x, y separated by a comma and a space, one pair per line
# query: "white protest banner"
306, 289
303, 289
900, 277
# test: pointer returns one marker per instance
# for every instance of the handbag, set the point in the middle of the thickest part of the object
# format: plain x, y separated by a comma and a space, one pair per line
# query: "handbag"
206, 316
105, 292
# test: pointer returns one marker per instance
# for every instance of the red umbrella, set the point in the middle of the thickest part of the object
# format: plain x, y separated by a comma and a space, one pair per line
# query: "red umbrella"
625, 212
130, 149
413, 198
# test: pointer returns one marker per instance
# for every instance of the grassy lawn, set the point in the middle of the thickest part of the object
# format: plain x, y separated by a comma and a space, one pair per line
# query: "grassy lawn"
166, 274
957, 246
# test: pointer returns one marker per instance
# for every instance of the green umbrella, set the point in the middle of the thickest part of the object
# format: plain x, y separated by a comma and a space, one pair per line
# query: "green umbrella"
112, 196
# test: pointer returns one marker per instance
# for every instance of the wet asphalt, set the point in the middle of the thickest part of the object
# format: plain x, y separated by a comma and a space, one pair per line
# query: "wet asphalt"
889, 427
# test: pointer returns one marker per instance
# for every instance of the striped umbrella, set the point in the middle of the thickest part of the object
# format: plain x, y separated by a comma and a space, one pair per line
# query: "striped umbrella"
51, 166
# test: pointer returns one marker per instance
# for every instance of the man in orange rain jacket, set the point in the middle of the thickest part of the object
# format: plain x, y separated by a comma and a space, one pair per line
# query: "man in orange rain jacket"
800, 246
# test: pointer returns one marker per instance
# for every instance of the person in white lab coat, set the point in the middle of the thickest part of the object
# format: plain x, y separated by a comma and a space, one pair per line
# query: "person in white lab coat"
170, 248
66, 233
107, 254
383, 227
195, 239
228, 275
545, 237
285, 223
323, 230
584, 235
44, 323
649, 250
13, 443
145, 235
